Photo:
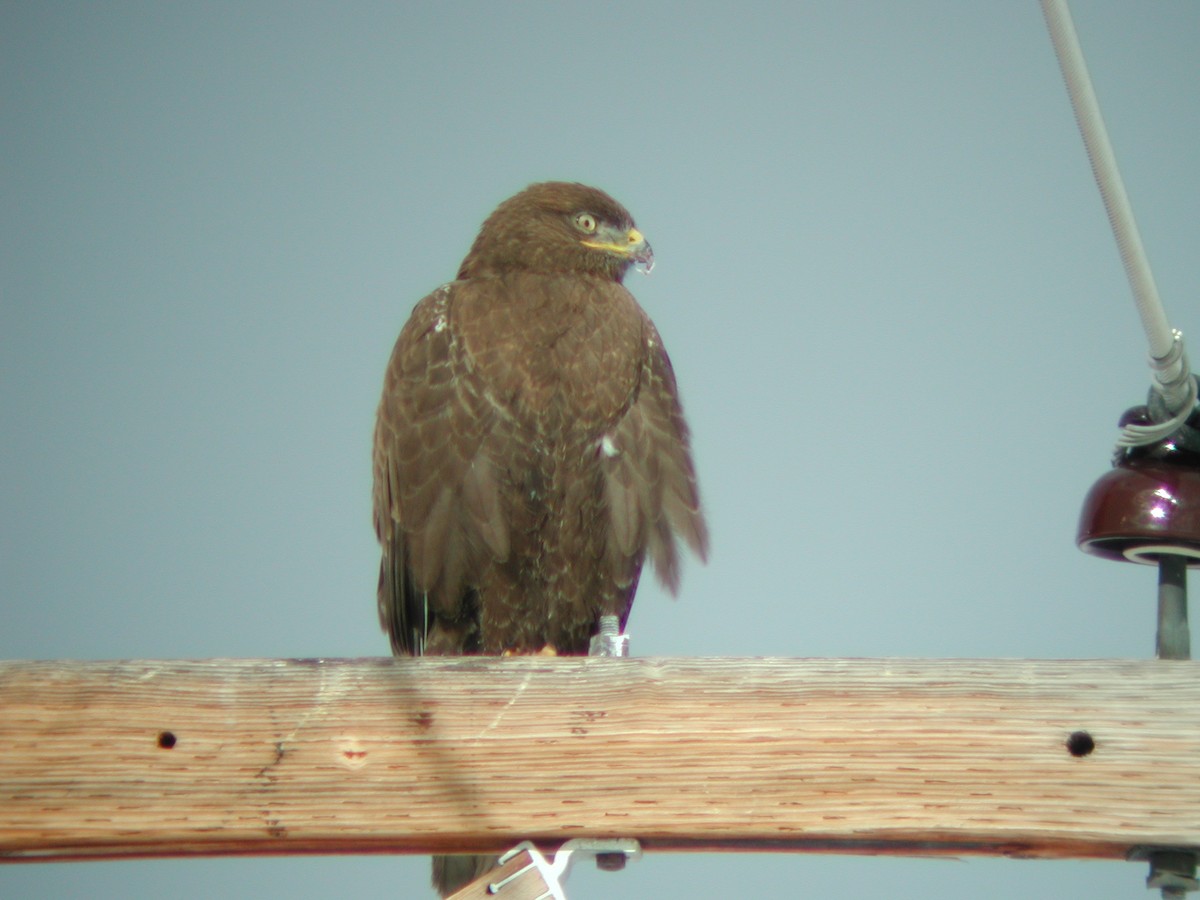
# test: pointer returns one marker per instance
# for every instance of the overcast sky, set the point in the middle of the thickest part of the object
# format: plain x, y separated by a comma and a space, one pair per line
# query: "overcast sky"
884, 274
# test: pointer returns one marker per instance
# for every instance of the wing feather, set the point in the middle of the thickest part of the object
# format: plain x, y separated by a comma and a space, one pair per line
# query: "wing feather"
438, 513
650, 479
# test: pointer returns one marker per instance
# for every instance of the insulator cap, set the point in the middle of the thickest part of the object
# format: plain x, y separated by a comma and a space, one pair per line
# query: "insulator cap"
1147, 506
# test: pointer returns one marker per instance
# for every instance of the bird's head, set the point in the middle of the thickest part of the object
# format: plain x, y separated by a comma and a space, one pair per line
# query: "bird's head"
558, 227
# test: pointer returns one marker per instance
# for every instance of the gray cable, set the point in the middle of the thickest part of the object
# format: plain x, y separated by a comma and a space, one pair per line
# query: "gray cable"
1166, 346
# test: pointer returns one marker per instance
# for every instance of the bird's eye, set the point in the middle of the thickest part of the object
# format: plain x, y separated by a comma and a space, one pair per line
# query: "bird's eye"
585, 222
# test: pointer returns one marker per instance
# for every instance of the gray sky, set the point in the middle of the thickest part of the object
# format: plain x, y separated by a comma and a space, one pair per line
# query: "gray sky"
899, 322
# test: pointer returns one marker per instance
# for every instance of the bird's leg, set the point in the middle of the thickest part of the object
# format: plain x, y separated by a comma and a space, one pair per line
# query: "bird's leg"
609, 641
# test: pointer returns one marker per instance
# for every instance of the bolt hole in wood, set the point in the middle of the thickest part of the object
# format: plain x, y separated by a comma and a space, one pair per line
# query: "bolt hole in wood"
166, 740
1080, 743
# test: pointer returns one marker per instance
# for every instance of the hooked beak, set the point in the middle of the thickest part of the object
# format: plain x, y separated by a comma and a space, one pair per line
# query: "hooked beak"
630, 245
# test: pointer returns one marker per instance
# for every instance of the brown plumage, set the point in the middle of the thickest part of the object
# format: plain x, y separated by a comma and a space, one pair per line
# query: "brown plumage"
530, 450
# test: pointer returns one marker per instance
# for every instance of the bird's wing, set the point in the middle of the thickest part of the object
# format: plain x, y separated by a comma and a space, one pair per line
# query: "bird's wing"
437, 507
650, 480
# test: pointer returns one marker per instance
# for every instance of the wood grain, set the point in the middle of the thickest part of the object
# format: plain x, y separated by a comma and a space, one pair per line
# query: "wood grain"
897, 756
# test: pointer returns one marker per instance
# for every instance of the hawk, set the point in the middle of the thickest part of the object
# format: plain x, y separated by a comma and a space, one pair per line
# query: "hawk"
530, 449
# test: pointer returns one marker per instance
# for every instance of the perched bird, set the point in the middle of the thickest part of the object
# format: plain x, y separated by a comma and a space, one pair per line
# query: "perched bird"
530, 449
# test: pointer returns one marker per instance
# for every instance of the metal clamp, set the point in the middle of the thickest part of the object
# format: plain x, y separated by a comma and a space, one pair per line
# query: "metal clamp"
555, 873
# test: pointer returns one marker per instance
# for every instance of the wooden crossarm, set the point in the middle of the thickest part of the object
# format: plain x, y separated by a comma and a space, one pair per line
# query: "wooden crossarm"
1041, 758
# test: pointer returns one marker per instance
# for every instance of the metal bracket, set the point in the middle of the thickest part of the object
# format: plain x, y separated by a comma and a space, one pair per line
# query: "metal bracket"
1172, 869
555, 873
